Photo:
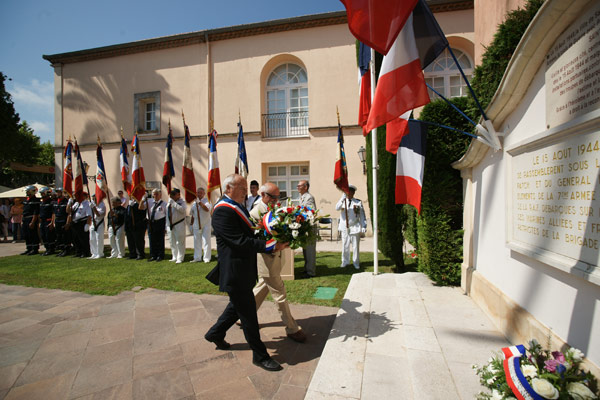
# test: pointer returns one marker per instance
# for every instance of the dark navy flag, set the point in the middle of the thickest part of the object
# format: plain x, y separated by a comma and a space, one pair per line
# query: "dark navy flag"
241, 160
364, 80
410, 165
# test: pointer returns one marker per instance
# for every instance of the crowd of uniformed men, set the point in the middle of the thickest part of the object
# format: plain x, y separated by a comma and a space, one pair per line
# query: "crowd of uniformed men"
66, 226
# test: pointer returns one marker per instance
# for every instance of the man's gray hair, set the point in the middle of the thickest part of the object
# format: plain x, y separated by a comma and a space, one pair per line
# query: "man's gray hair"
157, 190
201, 188
116, 198
228, 182
263, 188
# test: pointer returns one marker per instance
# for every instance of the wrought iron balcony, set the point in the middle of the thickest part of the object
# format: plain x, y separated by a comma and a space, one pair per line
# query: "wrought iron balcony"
285, 124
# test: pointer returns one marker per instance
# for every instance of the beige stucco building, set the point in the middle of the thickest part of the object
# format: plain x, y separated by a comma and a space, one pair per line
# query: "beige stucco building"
285, 79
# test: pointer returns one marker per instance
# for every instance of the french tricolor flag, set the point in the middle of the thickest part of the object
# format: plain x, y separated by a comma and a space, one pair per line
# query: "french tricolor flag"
79, 176
168, 169
364, 81
401, 86
188, 180
125, 172
101, 184
214, 176
137, 173
410, 165
68, 170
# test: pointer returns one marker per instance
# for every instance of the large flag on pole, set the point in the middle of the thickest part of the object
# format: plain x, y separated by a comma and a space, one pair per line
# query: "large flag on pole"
188, 180
138, 179
68, 170
241, 159
340, 174
214, 176
125, 172
364, 81
101, 184
410, 165
168, 169
401, 85
79, 176
376, 22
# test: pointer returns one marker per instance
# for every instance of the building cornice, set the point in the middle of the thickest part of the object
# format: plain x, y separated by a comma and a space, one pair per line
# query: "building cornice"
226, 33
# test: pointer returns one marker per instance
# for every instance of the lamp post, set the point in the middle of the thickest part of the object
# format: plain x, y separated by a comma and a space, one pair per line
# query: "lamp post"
361, 155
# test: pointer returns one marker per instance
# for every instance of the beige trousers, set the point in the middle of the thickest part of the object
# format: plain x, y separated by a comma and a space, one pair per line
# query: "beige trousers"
275, 285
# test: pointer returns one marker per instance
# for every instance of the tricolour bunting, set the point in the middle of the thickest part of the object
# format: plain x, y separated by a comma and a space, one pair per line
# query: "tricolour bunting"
401, 85
410, 165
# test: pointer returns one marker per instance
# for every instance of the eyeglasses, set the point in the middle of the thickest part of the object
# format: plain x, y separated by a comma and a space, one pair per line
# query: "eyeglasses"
271, 196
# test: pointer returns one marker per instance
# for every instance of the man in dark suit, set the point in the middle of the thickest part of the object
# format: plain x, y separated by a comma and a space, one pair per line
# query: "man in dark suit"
237, 247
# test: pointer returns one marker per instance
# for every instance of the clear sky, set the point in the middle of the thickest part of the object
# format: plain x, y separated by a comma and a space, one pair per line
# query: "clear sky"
31, 28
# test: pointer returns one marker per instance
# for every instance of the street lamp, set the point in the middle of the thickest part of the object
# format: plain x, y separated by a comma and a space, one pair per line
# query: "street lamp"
361, 155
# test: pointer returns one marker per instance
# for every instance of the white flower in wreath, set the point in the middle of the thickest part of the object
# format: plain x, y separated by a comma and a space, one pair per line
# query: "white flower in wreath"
529, 371
491, 380
496, 395
544, 388
294, 233
295, 225
576, 354
491, 369
580, 391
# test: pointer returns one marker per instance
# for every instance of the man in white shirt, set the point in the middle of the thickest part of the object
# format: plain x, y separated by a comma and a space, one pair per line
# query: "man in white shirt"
352, 223
200, 213
97, 229
254, 196
310, 250
176, 220
157, 210
124, 201
116, 230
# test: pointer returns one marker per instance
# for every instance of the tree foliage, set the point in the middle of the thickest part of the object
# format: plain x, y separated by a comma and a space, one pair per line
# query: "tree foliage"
20, 145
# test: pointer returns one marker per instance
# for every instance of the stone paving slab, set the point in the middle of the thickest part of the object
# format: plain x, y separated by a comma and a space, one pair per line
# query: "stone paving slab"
399, 336
145, 345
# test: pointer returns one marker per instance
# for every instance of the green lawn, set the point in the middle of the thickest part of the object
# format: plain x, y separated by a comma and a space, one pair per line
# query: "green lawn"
112, 276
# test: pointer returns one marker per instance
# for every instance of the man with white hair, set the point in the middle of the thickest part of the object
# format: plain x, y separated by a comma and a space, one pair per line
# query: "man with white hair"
200, 221
157, 215
116, 230
269, 269
176, 217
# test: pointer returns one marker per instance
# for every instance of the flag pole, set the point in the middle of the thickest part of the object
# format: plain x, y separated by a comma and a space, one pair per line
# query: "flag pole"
107, 189
375, 165
346, 198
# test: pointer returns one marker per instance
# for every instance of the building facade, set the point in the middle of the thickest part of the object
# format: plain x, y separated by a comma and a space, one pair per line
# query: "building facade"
285, 80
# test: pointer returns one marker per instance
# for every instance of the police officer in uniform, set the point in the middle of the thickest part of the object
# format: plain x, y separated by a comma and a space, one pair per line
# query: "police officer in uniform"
157, 210
59, 221
46, 228
31, 211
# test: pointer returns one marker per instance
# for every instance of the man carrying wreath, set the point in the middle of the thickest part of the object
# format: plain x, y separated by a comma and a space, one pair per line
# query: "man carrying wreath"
269, 269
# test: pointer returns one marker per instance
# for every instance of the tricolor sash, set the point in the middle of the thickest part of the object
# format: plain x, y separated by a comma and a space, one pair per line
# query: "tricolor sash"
514, 376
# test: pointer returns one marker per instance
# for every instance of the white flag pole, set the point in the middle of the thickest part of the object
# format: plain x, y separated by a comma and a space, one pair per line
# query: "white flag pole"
375, 165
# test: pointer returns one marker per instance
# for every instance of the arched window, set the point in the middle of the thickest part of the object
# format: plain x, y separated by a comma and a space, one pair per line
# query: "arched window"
287, 102
443, 74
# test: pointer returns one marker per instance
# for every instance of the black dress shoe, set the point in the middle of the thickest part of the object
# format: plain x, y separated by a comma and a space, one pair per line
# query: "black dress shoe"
220, 343
25, 253
33, 253
151, 259
158, 259
268, 364
139, 258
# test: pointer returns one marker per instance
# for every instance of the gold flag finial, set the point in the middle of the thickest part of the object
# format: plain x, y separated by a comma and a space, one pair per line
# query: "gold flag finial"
239, 116
183, 116
122, 137
212, 125
169, 124
98, 140
338, 113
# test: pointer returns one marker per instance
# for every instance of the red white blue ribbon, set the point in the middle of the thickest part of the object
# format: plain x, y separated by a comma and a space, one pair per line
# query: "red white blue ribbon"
266, 220
226, 202
514, 376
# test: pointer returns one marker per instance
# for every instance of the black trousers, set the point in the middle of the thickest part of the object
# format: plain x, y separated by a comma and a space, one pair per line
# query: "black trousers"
243, 307
48, 236
63, 236
156, 236
32, 240
136, 242
81, 238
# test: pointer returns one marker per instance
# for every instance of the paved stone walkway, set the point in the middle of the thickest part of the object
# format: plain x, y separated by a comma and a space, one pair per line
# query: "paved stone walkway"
145, 345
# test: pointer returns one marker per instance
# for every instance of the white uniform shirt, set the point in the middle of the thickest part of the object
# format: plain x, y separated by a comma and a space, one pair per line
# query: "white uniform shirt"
356, 215
177, 211
251, 201
81, 211
204, 215
101, 208
161, 209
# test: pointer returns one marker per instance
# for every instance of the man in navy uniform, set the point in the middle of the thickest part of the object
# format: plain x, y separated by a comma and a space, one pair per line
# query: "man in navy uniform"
59, 221
157, 210
31, 211
135, 229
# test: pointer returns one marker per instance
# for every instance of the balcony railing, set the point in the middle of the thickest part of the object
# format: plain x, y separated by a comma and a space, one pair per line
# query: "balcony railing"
286, 124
